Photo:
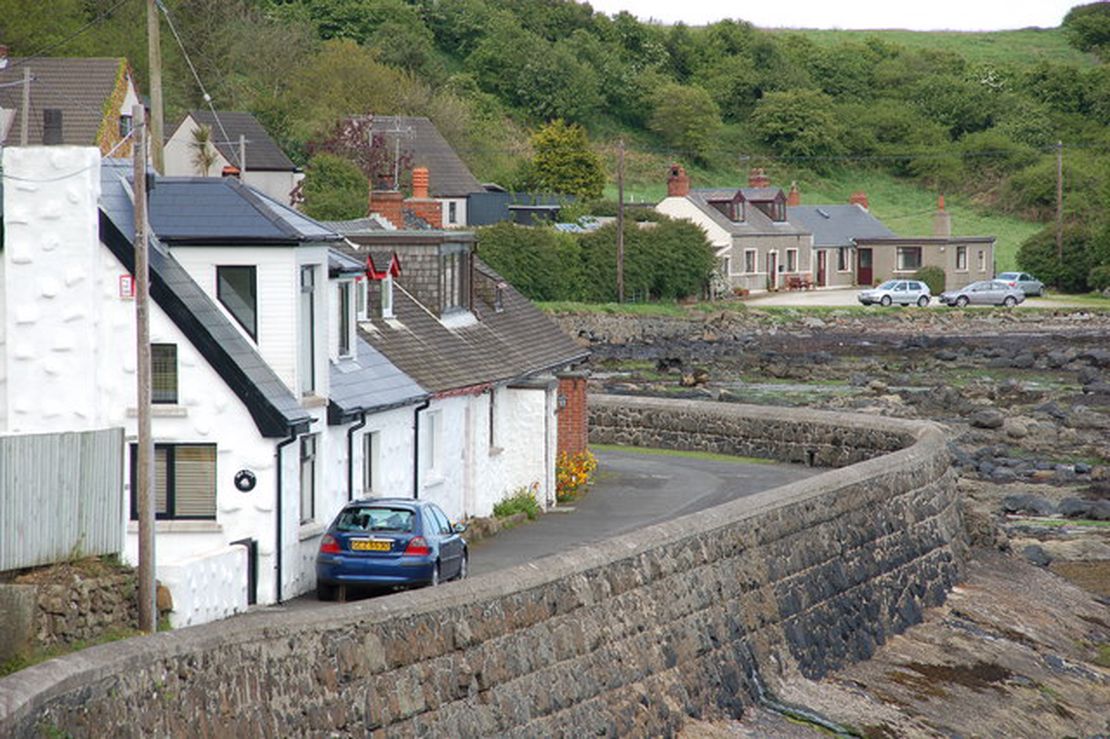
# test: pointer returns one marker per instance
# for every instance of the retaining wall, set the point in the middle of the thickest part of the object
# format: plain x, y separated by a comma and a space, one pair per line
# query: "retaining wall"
679, 619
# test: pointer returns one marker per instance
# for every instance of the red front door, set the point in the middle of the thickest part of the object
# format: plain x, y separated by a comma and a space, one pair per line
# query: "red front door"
863, 267
822, 256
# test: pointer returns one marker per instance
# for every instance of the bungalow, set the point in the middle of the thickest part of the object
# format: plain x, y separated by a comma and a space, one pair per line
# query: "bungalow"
836, 230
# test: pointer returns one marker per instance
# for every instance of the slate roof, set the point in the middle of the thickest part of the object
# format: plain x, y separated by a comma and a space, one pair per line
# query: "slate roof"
836, 225
368, 382
276, 412
222, 210
448, 175
341, 264
263, 153
498, 347
756, 223
760, 194
373, 222
76, 86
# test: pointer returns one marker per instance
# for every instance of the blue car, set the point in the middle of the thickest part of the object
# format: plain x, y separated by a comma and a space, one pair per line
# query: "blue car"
389, 542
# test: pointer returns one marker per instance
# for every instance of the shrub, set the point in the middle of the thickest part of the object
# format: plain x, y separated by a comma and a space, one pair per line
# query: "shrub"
1082, 254
572, 473
523, 500
1099, 277
933, 277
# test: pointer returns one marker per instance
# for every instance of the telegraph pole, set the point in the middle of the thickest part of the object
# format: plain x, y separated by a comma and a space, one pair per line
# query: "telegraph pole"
620, 222
242, 158
25, 114
154, 57
144, 463
1059, 211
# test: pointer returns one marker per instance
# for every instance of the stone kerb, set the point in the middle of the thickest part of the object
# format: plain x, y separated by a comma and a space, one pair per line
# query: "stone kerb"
627, 638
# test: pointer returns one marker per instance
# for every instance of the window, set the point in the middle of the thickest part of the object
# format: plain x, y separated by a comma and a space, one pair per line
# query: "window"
961, 258
908, 258
184, 481
344, 306
308, 478
439, 523
163, 372
982, 260
369, 462
387, 296
453, 281
791, 260
125, 126
751, 263
307, 335
361, 288
432, 441
237, 289
842, 260
452, 212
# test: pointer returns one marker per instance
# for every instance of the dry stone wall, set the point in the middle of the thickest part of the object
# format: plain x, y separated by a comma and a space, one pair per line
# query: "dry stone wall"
691, 617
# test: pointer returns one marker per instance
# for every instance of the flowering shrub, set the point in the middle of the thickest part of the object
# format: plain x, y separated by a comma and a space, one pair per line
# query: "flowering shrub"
572, 473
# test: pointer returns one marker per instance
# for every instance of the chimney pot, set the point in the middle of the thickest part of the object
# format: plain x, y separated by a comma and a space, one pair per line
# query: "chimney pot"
420, 183
678, 182
794, 197
942, 221
940, 202
859, 198
758, 178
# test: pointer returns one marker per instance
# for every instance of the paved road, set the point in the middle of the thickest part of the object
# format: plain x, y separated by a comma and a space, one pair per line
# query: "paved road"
633, 489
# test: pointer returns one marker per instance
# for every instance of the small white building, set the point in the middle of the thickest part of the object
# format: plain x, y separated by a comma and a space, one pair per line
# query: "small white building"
237, 145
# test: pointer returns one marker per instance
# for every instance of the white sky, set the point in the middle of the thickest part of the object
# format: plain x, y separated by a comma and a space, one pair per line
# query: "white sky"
920, 15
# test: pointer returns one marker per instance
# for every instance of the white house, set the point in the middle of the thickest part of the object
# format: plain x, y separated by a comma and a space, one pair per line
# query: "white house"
237, 144
277, 398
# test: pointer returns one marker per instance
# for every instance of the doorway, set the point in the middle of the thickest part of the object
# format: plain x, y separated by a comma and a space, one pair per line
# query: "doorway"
772, 270
822, 258
864, 274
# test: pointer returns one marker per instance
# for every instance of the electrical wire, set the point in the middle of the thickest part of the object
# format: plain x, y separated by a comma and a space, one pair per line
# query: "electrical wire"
59, 178
43, 52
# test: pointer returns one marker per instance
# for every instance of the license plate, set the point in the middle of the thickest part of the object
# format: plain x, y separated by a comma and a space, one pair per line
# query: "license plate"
371, 545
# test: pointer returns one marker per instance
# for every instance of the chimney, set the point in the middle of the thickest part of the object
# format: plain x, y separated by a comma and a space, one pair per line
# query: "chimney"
678, 182
420, 183
230, 171
859, 197
52, 126
387, 204
794, 197
758, 178
942, 220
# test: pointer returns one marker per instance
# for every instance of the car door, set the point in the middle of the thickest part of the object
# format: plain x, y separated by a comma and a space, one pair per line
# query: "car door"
980, 293
899, 293
450, 544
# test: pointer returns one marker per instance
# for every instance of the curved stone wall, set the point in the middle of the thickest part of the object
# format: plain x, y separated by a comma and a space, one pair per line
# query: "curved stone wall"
679, 619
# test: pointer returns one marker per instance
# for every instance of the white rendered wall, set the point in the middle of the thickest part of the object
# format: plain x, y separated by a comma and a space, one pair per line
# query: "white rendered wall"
686, 210
460, 212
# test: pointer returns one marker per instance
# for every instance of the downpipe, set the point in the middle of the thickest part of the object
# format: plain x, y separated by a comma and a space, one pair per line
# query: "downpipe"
278, 508
351, 456
416, 448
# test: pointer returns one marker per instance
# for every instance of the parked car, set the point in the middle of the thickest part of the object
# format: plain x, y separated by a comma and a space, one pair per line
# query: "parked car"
1028, 284
389, 542
985, 292
903, 292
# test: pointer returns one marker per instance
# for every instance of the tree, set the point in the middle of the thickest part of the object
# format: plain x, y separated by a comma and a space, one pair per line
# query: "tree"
203, 154
686, 117
334, 189
565, 163
541, 263
1084, 251
798, 123
1088, 28
358, 142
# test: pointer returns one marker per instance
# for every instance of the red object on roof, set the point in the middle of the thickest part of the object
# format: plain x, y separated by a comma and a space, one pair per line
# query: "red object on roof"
390, 265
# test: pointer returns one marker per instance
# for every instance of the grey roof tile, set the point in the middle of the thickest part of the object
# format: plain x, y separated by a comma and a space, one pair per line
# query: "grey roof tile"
79, 87
836, 225
263, 153
448, 175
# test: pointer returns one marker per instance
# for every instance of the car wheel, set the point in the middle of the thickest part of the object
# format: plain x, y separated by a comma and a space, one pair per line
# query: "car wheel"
464, 566
962, 301
435, 575
1010, 301
922, 301
885, 302
325, 591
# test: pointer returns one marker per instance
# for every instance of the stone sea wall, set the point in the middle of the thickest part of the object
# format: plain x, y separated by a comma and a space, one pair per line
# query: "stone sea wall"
692, 617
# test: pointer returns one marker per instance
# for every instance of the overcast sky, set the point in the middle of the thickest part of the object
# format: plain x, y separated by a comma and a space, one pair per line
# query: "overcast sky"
957, 15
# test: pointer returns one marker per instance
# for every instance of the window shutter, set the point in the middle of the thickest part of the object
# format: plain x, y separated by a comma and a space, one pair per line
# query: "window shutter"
195, 481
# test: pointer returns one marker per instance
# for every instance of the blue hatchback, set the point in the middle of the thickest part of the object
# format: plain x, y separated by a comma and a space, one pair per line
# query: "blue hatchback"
387, 542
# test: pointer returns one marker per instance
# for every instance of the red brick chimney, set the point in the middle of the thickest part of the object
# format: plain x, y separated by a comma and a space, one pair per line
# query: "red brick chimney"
859, 197
678, 183
758, 178
420, 204
387, 204
794, 197
942, 220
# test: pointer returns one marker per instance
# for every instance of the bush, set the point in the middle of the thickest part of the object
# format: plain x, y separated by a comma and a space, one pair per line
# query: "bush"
523, 500
1083, 253
334, 189
539, 262
1099, 277
572, 473
933, 277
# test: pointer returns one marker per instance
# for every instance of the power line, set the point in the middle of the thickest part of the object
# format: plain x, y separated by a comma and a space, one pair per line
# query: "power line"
59, 178
43, 52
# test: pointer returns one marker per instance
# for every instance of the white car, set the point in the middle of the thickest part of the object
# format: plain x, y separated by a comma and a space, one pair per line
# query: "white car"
903, 292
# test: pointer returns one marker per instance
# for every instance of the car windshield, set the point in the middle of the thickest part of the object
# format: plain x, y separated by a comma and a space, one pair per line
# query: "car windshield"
1008, 276
888, 285
376, 519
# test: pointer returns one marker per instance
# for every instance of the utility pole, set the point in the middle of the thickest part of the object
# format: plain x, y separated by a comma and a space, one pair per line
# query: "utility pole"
154, 57
144, 464
620, 222
1059, 211
242, 158
25, 114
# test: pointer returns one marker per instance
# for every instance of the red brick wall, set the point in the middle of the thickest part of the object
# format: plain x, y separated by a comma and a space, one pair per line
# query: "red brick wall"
574, 416
430, 210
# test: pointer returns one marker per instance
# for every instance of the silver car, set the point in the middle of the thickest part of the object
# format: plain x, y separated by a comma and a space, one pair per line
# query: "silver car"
903, 292
1024, 281
986, 292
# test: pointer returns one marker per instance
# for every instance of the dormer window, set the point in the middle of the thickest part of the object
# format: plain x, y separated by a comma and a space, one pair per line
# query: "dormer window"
453, 279
382, 268
387, 296
345, 325
732, 209
362, 298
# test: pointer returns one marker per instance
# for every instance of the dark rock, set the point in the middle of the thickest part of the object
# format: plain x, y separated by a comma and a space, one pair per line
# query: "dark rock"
1082, 468
1053, 410
858, 379
1088, 375
1097, 357
1100, 511
985, 469
1043, 465
946, 355
1030, 504
1075, 508
987, 418
1003, 475
1097, 388
1036, 555
1025, 360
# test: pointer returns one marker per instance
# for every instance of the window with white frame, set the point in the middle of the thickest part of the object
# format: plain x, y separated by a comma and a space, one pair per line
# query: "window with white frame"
452, 212
982, 260
453, 280
751, 262
961, 258
842, 261
908, 258
387, 296
433, 440
370, 446
308, 478
343, 307
726, 266
184, 481
306, 334
163, 373
237, 290
791, 260
361, 298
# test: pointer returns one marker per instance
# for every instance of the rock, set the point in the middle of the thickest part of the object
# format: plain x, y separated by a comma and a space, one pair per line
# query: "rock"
987, 418
985, 469
858, 379
1029, 504
1053, 410
1015, 429
1097, 388
946, 355
1088, 375
1075, 508
1097, 357
1025, 360
813, 322
1100, 511
1036, 555
1042, 476
1003, 475
878, 387
1082, 468
163, 599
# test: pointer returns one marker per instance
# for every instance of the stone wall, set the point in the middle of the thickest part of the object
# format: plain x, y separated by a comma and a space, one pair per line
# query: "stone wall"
691, 617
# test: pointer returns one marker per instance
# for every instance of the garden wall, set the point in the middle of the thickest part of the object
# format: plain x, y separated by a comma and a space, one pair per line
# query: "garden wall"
680, 619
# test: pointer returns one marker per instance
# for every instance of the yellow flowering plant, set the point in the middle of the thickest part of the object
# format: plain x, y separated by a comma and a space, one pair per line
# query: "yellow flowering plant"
572, 473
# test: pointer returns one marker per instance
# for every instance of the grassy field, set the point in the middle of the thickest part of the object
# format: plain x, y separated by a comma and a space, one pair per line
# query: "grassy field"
1022, 47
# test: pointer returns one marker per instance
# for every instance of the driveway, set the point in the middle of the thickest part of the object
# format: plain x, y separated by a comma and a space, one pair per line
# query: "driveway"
844, 297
